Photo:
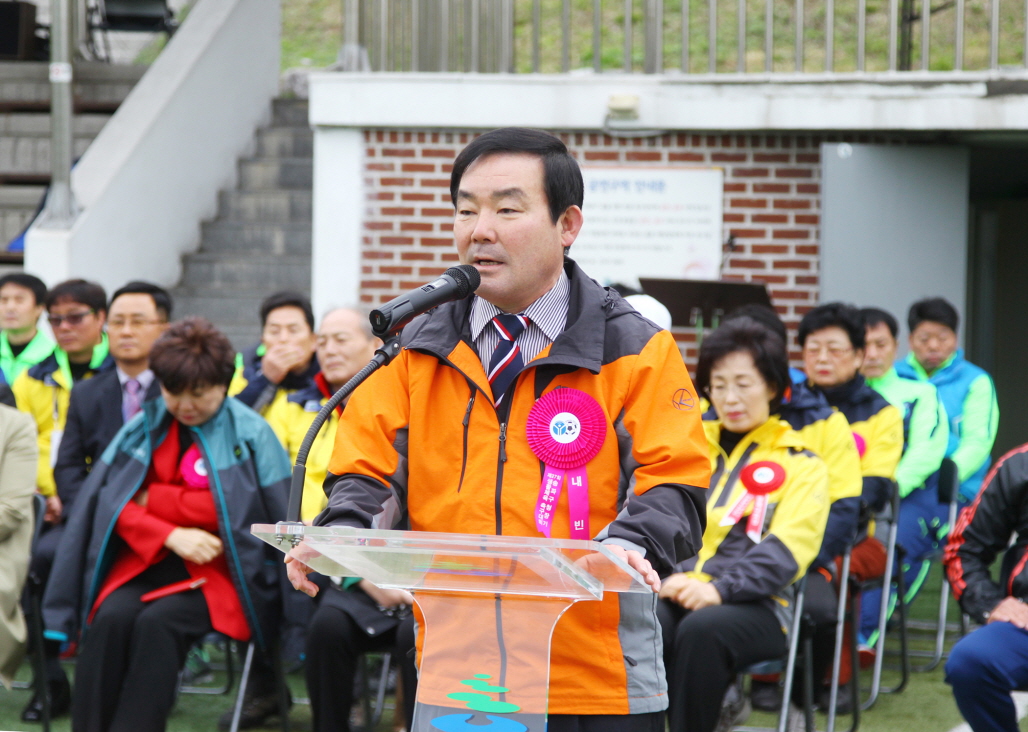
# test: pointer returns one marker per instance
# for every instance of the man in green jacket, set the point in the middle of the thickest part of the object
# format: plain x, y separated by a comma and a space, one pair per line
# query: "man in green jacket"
925, 438
22, 343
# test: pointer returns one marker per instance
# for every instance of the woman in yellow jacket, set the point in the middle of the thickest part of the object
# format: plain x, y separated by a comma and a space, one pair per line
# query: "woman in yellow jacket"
728, 607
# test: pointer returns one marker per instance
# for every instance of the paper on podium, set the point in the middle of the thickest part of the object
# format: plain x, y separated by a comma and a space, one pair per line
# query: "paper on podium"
441, 562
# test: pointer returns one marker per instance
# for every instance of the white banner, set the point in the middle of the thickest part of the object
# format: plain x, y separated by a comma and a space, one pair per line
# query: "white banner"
650, 222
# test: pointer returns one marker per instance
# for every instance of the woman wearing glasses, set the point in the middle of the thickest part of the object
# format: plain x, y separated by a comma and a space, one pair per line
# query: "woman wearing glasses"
728, 607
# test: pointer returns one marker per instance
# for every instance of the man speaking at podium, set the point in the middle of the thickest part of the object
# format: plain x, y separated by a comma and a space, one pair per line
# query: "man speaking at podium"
440, 435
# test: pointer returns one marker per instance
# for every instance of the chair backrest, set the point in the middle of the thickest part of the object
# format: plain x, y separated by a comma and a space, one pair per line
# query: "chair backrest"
136, 9
949, 481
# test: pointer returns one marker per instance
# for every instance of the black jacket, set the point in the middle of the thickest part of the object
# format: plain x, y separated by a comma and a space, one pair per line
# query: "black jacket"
94, 418
984, 530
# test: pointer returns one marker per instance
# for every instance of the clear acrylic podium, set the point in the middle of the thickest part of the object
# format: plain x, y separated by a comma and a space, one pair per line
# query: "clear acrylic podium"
488, 603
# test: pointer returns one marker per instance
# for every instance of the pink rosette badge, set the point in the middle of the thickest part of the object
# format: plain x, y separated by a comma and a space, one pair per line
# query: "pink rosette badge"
861, 443
566, 429
194, 469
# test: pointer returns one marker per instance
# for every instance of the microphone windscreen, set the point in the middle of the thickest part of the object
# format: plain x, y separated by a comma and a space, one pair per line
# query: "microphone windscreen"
467, 278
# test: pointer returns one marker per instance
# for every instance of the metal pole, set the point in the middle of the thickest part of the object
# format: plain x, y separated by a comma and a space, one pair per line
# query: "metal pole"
830, 35
383, 35
741, 41
565, 25
769, 35
799, 35
958, 62
994, 36
685, 38
926, 33
507, 39
60, 209
893, 29
628, 36
653, 24
712, 37
476, 22
444, 35
536, 22
862, 32
415, 34
597, 35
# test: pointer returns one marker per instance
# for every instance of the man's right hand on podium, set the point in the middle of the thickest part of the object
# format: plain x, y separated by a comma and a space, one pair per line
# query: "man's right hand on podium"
298, 572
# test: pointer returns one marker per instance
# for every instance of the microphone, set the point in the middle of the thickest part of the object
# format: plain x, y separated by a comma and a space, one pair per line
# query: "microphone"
456, 283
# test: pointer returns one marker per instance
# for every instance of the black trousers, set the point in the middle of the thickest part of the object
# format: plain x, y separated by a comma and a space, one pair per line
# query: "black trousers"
705, 650
334, 646
127, 670
652, 722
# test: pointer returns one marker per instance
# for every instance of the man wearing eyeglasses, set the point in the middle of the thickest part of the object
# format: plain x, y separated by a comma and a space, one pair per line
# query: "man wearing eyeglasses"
76, 310
139, 313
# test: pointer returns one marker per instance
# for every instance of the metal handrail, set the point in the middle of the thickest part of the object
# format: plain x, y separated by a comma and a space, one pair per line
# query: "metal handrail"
677, 36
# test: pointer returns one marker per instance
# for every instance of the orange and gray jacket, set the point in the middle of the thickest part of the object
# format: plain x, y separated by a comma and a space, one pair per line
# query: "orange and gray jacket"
744, 571
421, 438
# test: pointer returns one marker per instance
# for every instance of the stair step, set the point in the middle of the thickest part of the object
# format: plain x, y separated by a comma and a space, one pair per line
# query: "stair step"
268, 205
255, 238
276, 174
285, 142
205, 270
21, 196
290, 112
37, 124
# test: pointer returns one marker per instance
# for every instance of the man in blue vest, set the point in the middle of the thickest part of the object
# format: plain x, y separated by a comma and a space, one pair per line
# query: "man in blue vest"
966, 390
969, 396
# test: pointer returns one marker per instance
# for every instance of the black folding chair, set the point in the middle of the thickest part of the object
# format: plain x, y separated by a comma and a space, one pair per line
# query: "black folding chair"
788, 666
949, 493
885, 582
133, 16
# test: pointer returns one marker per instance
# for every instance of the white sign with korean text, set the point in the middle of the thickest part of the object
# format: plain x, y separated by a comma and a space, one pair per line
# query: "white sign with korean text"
650, 222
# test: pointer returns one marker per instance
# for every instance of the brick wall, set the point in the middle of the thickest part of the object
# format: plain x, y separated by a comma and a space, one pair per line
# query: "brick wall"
771, 206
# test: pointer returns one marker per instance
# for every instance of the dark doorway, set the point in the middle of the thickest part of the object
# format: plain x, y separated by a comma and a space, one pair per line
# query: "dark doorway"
997, 334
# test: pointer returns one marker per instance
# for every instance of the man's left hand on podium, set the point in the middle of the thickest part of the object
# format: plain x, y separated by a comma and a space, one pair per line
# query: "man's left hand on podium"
639, 563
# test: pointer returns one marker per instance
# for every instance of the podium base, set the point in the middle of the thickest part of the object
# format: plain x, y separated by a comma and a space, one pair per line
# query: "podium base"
485, 662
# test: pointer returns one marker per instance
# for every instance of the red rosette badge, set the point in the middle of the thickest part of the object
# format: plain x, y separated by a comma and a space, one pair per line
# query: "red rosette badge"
565, 429
760, 479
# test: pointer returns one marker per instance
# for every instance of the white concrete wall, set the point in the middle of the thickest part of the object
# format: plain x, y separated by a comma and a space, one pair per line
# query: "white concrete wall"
337, 218
154, 172
887, 102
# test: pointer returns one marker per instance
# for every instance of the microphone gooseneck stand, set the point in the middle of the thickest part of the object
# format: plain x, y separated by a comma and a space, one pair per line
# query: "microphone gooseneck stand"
387, 322
292, 528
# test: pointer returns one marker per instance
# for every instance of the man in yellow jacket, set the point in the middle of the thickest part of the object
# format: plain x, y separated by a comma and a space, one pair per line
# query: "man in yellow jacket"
440, 435
76, 310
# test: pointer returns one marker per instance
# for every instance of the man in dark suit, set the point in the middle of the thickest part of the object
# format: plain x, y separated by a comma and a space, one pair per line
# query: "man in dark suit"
137, 316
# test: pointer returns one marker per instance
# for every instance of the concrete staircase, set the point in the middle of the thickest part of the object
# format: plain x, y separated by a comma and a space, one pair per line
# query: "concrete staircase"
260, 242
25, 129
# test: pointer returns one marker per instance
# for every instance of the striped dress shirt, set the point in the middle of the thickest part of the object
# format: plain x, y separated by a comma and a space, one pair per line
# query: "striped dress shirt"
547, 317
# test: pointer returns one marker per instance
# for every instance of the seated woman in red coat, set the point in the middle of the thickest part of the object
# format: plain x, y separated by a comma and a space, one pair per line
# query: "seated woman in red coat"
168, 512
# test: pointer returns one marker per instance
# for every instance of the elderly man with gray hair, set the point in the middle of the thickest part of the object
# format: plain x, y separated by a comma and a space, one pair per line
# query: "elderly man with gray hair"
355, 616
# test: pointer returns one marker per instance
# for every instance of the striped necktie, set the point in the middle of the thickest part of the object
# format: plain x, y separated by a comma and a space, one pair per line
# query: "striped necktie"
506, 362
